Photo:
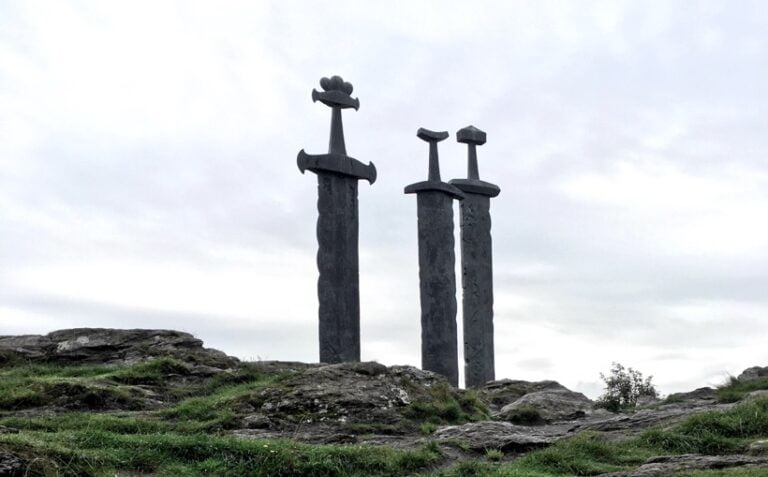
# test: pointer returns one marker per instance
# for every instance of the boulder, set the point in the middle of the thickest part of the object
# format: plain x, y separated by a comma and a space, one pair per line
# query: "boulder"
506, 391
755, 372
550, 405
345, 394
112, 347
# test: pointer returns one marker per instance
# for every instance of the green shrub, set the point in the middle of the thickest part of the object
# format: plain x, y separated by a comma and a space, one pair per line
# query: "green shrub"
623, 386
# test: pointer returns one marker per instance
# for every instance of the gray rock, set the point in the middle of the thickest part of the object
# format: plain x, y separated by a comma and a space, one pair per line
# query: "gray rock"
551, 405
11, 465
665, 466
759, 447
700, 394
345, 394
755, 372
506, 391
113, 346
759, 394
483, 435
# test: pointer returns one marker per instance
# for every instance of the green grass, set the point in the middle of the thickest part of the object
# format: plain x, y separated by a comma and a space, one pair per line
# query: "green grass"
96, 452
591, 454
735, 390
444, 406
524, 415
714, 432
189, 435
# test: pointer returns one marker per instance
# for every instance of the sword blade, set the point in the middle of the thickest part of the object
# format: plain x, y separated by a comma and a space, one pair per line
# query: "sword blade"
338, 286
477, 289
439, 352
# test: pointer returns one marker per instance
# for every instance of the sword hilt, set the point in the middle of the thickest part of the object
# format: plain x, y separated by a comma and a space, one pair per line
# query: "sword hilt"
336, 94
472, 137
432, 137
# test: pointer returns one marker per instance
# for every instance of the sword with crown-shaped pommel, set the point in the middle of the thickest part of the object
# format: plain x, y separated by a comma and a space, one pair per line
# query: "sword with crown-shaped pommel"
338, 286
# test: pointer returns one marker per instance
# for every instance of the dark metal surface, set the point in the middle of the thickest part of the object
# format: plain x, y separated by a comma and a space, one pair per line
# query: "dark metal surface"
338, 286
437, 278
476, 265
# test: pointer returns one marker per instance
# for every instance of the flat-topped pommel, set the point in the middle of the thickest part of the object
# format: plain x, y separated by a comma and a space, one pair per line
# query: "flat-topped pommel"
471, 135
336, 93
432, 136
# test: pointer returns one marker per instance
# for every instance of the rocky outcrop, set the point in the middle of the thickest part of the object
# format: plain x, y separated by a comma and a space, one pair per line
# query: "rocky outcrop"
548, 406
705, 394
480, 436
506, 391
111, 347
666, 466
365, 396
750, 374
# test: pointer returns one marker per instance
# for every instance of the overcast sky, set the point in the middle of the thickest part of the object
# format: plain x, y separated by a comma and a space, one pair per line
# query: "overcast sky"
148, 173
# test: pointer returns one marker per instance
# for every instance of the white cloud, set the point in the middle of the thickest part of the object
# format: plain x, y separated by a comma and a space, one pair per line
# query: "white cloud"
148, 178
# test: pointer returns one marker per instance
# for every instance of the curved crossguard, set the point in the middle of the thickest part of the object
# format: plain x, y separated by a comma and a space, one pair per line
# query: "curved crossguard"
336, 94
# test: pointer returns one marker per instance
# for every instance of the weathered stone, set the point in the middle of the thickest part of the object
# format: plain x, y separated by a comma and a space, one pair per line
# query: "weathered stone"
344, 394
437, 276
479, 436
551, 405
755, 372
758, 394
665, 466
700, 394
759, 447
338, 286
476, 265
114, 346
506, 391
12, 466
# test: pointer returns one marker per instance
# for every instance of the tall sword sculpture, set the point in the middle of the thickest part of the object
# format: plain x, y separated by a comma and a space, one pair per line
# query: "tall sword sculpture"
437, 260
338, 287
476, 265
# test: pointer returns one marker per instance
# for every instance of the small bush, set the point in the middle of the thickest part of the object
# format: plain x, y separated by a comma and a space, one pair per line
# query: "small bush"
428, 428
525, 415
623, 386
494, 455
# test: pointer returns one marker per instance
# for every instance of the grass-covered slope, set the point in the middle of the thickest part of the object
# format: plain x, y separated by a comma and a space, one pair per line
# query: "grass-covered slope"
164, 417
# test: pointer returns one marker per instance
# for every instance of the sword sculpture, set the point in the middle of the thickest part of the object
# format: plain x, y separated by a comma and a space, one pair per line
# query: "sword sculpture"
476, 265
437, 277
338, 287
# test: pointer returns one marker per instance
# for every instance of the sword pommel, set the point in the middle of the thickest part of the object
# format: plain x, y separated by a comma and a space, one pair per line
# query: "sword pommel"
336, 93
473, 137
